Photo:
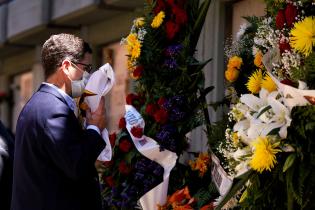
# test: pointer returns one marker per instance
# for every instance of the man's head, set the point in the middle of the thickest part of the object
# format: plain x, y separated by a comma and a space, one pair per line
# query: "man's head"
65, 57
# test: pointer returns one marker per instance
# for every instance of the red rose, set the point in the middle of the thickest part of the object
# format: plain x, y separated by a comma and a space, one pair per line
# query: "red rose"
181, 3
125, 145
109, 180
171, 2
131, 98
123, 168
171, 29
112, 139
151, 109
284, 46
137, 132
122, 123
280, 19
160, 5
137, 73
290, 14
180, 15
161, 116
161, 101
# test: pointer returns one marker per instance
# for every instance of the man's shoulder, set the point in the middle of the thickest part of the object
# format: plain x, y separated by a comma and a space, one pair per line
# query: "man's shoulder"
43, 104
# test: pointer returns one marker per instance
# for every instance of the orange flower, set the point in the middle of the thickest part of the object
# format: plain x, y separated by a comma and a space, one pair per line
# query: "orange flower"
231, 74
180, 195
258, 59
200, 164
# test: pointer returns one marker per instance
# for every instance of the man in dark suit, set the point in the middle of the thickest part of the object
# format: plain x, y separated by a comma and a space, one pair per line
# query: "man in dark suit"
54, 157
6, 167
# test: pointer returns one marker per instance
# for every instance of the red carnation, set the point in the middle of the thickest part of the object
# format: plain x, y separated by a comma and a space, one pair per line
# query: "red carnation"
280, 19
137, 73
112, 139
171, 29
137, 131
122, 123
180, 15
290, 14
161, 101
125, 145
161, 116
123, 168
284, 46
151, 109
109, 180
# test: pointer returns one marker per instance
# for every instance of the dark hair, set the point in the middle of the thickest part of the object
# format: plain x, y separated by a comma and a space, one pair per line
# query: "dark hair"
59, 47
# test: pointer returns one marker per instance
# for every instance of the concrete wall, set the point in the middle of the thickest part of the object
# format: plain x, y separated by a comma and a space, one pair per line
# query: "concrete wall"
24, 15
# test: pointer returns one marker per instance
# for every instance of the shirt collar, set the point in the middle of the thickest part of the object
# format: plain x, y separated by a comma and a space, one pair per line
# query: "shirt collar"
70, 102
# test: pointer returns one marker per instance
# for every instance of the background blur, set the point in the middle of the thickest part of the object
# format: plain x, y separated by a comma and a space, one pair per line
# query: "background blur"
26, 24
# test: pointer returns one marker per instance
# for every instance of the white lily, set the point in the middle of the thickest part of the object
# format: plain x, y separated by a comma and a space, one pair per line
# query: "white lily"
281, 116
254, 102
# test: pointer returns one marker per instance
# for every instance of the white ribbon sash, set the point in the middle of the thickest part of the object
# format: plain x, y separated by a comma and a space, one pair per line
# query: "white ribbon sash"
151, 149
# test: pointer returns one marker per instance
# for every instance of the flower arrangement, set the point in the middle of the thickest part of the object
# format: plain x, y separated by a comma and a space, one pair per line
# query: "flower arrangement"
268, 147
169, 96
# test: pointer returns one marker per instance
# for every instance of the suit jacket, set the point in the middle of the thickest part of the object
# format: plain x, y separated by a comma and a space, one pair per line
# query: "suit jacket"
54, 158
6, 167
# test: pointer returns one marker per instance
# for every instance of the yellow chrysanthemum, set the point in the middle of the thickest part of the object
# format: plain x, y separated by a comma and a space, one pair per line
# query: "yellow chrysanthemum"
254, 82
268, 83
258, 59
133, 46
231, 74
136, 50
264, 157
303, 36
139, 22
235, 62
158, 19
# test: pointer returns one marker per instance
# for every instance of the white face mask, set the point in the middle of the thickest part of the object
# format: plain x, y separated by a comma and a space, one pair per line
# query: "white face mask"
78, 86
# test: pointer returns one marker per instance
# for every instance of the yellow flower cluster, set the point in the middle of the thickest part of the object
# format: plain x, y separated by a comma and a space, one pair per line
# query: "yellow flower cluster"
158, 20
133, 46
200, 164
264, 157
303, 36
233, 67
257, 81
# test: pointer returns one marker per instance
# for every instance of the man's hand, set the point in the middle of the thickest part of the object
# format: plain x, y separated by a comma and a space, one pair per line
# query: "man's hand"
97, 118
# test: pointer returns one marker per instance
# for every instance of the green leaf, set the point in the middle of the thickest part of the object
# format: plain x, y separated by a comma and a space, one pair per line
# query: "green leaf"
289, 162
274, 131
244, 196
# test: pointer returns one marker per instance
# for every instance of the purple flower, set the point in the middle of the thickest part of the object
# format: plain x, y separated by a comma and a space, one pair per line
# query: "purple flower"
178, 100
173, 50
171, 63
176, 114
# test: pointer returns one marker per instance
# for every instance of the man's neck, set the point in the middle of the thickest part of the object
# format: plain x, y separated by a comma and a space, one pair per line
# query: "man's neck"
58, 82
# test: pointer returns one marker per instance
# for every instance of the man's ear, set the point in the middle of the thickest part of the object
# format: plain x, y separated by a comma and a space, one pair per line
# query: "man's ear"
65, 66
